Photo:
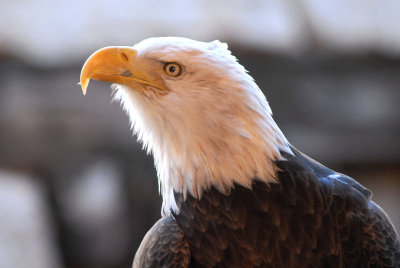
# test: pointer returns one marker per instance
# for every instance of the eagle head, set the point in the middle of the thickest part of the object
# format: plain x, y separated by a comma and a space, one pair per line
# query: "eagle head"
196, 109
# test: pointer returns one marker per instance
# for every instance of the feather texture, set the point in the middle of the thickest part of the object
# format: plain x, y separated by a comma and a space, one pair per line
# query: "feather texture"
305, 220
163, 246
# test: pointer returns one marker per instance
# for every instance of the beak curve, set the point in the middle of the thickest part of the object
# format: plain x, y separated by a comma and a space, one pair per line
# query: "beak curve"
115, 65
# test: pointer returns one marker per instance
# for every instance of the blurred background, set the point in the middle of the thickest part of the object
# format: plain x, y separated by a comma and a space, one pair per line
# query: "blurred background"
75, 188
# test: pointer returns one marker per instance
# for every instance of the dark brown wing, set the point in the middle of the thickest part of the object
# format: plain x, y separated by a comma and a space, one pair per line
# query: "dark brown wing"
163, 246
313, 218
381, 245
367, 236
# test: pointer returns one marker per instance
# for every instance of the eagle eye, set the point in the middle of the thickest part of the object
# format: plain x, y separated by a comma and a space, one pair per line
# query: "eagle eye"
172, 69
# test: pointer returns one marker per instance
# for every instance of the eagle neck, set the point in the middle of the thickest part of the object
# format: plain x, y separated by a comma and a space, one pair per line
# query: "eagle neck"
193, 162
233, 141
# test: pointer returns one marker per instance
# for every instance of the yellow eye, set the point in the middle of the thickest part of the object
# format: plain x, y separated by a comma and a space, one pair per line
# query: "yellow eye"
172, 69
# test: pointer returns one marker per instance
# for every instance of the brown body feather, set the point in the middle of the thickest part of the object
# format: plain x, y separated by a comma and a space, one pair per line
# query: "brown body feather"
308, 219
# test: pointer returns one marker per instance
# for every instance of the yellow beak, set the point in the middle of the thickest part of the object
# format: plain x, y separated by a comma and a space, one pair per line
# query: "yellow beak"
116, 65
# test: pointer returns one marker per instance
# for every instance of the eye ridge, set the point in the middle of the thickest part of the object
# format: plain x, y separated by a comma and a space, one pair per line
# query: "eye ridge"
173, 69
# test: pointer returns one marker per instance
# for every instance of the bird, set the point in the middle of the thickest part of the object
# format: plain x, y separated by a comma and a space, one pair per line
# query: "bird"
235, 192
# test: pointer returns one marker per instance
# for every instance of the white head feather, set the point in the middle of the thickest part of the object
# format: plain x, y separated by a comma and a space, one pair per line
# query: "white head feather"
214, 127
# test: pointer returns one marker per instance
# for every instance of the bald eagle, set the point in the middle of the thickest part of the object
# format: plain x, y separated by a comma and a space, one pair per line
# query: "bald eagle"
235, 192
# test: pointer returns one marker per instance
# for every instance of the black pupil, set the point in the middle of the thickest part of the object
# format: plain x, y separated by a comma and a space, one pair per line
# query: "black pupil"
172, 69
